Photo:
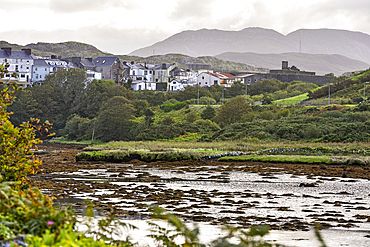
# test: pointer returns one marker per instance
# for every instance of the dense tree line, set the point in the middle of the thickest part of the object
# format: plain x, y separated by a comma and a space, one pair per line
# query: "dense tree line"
75, 106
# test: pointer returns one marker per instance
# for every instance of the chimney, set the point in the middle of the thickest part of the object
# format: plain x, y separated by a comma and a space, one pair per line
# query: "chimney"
53, 56
284, 65
7, 49
76, 59
164, 66
28, 51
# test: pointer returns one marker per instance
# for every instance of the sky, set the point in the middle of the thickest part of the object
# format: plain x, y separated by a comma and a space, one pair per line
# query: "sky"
122, 26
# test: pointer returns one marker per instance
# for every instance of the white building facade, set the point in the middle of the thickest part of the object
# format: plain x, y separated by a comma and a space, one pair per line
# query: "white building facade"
20, 62
207, 79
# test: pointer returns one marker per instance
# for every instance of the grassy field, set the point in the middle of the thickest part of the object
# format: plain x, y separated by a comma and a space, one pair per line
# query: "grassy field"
318, 152
292, 100
282, 159
214, 147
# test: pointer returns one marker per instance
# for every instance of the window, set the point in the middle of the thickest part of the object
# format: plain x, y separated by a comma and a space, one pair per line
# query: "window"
37, 76
203, 77
45, 69
27, 67
35, 69
23, 75
133, 72
145, 72
101, 69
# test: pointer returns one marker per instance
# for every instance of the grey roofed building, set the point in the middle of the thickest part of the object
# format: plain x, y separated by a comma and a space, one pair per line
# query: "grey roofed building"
8, 53
111, 68
83, 63
40, 62
104, 61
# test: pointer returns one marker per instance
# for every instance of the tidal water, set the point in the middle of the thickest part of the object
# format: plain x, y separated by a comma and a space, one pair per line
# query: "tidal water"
282, 200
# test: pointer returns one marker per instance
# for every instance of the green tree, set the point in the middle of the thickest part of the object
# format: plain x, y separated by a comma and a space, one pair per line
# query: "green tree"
113, 122
216, 92
266, 86
141, 107
16, 158
236, 89
191, 93
78, 128
232, 111
152, 97
208, 113
69, 86
98, 92
191, 117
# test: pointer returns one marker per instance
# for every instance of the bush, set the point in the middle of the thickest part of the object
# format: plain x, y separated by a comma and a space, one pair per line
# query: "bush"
208, 113
78, 128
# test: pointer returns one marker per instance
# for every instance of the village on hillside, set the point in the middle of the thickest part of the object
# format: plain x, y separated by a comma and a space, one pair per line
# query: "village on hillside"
31, 69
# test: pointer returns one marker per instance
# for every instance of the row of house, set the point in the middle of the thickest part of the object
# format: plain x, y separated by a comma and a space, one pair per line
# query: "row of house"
32, 69
142, 76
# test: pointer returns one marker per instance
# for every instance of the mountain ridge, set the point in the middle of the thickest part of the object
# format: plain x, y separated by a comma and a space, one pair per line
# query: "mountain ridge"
211, 42
320, 63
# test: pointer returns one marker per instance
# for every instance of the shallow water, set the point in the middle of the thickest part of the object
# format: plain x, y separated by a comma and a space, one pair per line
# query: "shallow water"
275, 198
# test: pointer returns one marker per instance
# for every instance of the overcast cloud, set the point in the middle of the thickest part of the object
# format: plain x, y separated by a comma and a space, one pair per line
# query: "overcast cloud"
121, 26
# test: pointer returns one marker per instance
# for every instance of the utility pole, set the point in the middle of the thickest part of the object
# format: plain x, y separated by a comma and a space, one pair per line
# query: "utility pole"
246, 93
92, 138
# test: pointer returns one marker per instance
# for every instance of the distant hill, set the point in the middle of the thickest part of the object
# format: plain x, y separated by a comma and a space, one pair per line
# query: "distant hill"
217, 64
321, 64
204, 42
76, 49
67, 49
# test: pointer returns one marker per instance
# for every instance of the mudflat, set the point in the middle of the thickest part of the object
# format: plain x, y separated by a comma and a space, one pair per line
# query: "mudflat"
283, 196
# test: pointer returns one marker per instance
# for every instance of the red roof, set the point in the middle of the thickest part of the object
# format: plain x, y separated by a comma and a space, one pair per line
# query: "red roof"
221, 75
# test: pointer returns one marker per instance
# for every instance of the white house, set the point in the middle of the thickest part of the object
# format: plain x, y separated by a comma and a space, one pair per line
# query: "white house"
177, 85
207, 79
20, 62
91, 75
43, 67
40, 70
162, 73
139, 72
143, 85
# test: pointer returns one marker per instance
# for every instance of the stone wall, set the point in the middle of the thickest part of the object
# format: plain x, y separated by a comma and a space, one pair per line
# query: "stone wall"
321, 80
